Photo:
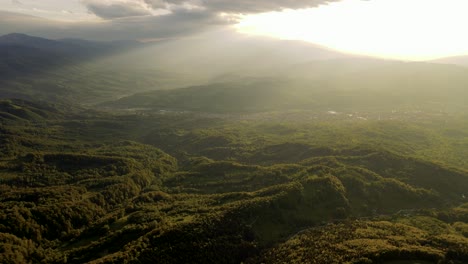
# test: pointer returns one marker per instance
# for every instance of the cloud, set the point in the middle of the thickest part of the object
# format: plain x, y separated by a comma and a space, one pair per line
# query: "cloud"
180, 23
16, 2
109, 9
146, 19
177, 16
177, 23
239, 6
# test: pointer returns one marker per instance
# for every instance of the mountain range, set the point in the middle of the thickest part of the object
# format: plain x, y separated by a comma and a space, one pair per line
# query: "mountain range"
239, 73
244, 150
22, 54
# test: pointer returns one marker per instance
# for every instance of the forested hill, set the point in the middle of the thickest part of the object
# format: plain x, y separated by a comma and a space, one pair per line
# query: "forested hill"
22, 55
110, 154
85, 186
335, 85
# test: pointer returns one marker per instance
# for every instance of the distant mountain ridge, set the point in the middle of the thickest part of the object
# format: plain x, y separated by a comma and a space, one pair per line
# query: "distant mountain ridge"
456, 60
21, 54
340, 85
236, 73
18, 39
64, 45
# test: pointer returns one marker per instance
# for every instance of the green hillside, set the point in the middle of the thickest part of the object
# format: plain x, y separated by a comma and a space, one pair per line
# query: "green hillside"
339, 85
79, 185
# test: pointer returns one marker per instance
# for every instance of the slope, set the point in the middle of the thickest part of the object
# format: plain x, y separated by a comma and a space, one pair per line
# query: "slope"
82, 186
339, 85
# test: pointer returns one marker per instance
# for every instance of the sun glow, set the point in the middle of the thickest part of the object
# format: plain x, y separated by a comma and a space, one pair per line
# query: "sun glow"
401, 29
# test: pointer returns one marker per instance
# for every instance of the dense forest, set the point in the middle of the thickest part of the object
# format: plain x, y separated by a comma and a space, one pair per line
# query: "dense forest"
81, 185
108, 155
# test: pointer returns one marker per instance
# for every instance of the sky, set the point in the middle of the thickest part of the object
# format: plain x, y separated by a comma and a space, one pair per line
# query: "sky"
398, 29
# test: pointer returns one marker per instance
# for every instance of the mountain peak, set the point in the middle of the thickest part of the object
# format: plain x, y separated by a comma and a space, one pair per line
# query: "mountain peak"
26, 40
17, 37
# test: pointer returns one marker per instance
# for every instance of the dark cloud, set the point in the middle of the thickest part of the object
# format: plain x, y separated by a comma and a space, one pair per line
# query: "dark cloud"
146, 19
186, 15
176, 24
124, 8
239, 6
117, 9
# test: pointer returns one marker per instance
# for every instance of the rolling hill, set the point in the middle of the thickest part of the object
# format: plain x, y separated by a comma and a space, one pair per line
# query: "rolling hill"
22, 54
339, 85
263, 156
86, 186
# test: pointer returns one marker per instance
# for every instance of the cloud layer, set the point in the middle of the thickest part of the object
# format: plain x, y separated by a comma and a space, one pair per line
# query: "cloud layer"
145, 19
109, 9
116, 9
239, 6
